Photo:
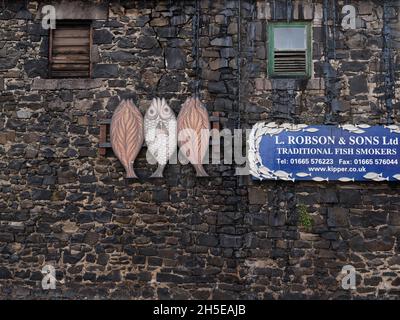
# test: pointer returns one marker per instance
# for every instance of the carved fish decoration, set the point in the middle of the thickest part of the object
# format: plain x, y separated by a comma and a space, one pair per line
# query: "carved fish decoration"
160, 133
126, 134
194, 133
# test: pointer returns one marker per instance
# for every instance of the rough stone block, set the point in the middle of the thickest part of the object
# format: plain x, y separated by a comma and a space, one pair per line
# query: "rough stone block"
338, 217
105, 71
222, 42
67, 84
257, 196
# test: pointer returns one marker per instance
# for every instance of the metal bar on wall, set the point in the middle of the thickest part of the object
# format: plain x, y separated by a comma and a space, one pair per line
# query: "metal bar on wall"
239, 62
388, 65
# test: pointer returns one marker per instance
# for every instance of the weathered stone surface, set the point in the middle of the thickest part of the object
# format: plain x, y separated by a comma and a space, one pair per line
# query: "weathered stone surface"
147, 42
36, 68
105, 71
181, 237
68, 84
337, 217
222, 42
102, 36
175, 58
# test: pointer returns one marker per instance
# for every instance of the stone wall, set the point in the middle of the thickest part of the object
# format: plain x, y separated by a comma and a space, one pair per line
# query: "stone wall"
63, 204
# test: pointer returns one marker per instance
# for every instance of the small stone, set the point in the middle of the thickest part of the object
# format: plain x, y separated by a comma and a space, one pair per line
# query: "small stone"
6, 237
91, 238
210, 75
217, 87
159, 22
147, 42
175, 59
218, 64
102, 36
122, 56
125, 43
24, 114
207, 240
5, 273
169, 277
257, 196
105, 71
40, 194
222, 42
166, 32
337, 217
227, 241
178, 20
36, 68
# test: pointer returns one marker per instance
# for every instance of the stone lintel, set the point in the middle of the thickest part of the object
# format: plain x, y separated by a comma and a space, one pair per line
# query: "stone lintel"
69, 84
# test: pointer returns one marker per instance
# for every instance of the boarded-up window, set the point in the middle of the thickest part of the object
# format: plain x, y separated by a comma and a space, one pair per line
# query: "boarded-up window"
289, 49
70, 45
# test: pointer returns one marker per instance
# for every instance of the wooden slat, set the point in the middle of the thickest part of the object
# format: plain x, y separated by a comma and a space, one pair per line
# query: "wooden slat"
81, 60
72, 33
102, 139
69, 67
71, 41
71, 50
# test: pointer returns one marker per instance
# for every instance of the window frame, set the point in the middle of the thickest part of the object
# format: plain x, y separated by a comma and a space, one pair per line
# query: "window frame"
67, 22
271, 48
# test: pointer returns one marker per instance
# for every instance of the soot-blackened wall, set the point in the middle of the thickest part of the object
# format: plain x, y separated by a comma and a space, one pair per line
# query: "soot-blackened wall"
65, 205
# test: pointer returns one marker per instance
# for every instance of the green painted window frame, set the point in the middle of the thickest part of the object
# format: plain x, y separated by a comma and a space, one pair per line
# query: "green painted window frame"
271, 42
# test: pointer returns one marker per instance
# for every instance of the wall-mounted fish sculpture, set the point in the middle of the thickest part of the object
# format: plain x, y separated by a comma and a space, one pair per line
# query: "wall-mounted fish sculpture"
126, 134
160, 133
194, 133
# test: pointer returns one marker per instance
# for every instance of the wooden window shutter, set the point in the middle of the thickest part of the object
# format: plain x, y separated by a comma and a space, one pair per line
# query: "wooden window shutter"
70, 46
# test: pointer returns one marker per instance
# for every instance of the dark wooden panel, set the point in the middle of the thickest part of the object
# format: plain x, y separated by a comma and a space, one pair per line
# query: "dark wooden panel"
70, 66
71, 41
70, 51
73, 50
72, 33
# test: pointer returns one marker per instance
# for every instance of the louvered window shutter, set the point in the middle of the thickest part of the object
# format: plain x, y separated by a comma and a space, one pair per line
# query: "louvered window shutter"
70, 46
289, 48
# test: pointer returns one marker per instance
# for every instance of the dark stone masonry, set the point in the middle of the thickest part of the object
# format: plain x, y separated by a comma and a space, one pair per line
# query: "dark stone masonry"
182, 237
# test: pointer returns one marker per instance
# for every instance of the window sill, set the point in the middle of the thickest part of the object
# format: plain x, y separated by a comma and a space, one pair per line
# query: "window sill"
68, 84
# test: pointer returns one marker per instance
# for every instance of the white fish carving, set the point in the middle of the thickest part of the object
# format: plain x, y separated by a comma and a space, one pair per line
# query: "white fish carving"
364, 126
265, 171
372, 175
287, 179
271, 125
281, 174
349, 127
275, 131
286, 125
303, 174
358, 131
397, 176
311, 130
345, 179
320, 179
392, 127
381, 179
160, 133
